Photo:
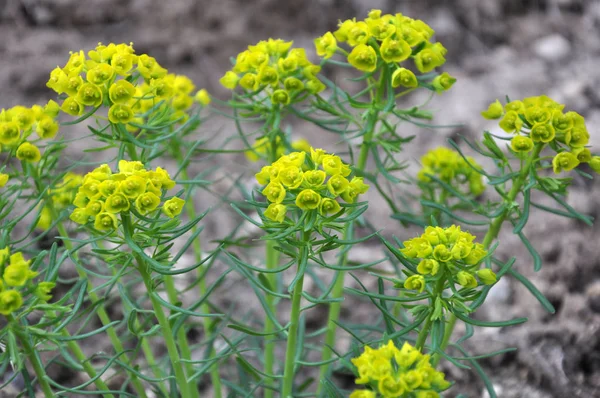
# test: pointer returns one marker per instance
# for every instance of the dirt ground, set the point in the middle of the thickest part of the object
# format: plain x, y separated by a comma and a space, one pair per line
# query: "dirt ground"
495, 48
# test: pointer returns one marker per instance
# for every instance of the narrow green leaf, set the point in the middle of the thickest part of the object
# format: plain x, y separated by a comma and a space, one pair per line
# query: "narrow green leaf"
537, 260
500, 324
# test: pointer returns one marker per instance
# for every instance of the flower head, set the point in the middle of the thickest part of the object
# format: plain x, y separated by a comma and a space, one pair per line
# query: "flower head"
308, 183
103, 194
452, 168
394, 372
273, 69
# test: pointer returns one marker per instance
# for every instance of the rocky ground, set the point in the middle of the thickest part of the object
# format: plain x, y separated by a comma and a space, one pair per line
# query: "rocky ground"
496, 48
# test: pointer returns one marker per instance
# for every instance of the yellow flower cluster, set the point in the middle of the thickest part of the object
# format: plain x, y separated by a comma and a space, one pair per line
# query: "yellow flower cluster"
309, 182
15, 274
129, 84
447, 249
261, 148
61, 196
3, 179
19, 122
392, 39
397, 373
104, 194
450, 167
541, 120
285, 74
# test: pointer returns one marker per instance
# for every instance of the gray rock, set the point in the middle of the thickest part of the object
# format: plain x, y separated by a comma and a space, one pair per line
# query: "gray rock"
552, 48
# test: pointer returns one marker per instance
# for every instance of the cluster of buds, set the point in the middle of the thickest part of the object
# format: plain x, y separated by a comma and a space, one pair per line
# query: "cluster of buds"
449, 251
391, 39
397, 373
18, 123
272, 67
450, 167
16, 273
130, 85
104, 194
309, 183
541, 120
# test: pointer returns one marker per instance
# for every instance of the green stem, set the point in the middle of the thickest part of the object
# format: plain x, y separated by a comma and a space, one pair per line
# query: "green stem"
334, 314
35, 361
197, 247
186, 353
424, 333
272, 261
165, 326
269, 356
290, 351
338, 288
89, 369
102, 314
494, 230
131, 150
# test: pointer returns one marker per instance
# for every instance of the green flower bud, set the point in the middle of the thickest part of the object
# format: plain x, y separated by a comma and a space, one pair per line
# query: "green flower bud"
293, 84
133, 186
100, 74
274, 192
116, 203
276, 212
595, 163
391, 387
79, 216
583, 154
394, 50
415, 282
315, 178
89, 95
428, 59
536, 114
94, 207
363, 58
249, 81
441, 253
44, 290
428, 266
28, 152
405, 78
494, 111
147, 202
511, 122
308, 200
476, 255
280, 97
443, 82
291, 177
105, 221
521, 144
10, 301
542, 132
72, 107
487, 276
564, 161
337, 184
329, 206
46, 127
466, 279
268, 75
120, 113
173, 207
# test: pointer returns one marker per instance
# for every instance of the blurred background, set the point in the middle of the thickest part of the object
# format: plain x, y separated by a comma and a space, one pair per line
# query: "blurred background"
517, 48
